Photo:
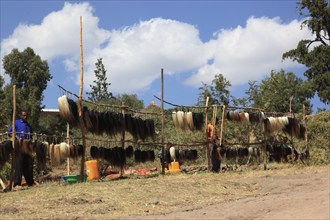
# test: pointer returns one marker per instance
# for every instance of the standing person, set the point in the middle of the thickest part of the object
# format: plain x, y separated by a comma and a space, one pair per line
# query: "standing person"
213, 151
24, 161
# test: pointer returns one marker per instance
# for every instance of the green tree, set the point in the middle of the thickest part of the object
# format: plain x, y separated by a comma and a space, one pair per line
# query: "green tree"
254, 95
218, 92
277, 89
30, 74
205, 92
2, 96
100, 87
315, 54
129, 100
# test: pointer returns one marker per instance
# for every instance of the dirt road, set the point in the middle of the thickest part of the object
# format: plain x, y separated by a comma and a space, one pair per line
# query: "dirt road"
282, 192
298, 196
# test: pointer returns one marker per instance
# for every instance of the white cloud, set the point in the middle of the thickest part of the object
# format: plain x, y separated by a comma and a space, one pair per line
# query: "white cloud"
134, 55
249, 53
58, 35
71, 65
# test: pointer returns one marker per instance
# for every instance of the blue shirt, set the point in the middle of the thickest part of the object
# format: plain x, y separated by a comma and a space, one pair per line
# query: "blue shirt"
22, 126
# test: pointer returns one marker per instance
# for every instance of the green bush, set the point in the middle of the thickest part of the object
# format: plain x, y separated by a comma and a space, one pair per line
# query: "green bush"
318, 135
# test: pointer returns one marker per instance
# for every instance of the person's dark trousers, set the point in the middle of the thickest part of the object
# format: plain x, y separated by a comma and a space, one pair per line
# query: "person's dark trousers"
23, 166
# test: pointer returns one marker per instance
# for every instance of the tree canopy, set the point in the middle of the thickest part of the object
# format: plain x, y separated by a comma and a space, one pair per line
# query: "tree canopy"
100, 88
218, 92
30, 74
130, 100
100, 91
2, 96
315, 53
274, 93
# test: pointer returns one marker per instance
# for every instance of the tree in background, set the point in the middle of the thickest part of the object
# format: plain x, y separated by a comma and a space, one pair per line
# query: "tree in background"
100, 92
205, 92
254, 98
275, 91
30, 74
2, 97
218, 92
315, 54
129, 100
100, 87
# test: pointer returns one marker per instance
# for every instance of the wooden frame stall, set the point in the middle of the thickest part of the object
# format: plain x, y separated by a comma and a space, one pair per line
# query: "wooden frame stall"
239, 118
101, 108
204, 143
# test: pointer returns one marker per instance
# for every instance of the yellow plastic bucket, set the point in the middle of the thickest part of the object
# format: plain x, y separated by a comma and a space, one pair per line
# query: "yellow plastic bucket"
174, 167
92, 170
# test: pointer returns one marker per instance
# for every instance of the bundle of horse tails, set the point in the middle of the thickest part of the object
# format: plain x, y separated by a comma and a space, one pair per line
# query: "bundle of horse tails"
175, 120
64, 108
172, 153
27, 147
52, 154
41, 152
64, 151
198, 120
190, 121
56, 155
180, 115
5, 152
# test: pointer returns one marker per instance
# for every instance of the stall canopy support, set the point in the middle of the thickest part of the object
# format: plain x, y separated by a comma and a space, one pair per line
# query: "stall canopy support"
13, 137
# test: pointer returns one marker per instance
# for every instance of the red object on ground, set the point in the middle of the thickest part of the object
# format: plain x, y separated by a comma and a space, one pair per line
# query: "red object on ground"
142, 171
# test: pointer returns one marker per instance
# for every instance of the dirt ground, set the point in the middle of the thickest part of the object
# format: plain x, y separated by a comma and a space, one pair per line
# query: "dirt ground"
282, 192
298, 196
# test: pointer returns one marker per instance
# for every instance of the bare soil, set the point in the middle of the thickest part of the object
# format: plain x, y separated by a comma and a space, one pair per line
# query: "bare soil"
282, 192
304, 195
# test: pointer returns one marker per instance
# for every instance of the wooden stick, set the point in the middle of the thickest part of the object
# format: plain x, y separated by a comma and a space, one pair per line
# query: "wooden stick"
214, 115
82, 126
178, 105
163, 121
68, 142
228, 107
206, 134
122, 134
264, 151
222, 123
13, 137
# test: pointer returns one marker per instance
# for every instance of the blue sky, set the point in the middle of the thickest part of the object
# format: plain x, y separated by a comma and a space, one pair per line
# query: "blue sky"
191, 40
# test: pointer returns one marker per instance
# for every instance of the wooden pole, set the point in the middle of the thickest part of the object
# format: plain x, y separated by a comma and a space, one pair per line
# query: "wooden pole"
222, 123
82, 126
163, 145
123, 125
264, 150
123, 128
206, 134
68, 142
13, 138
